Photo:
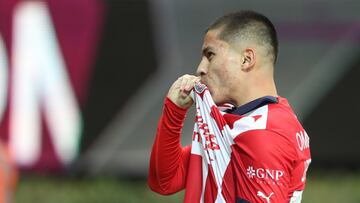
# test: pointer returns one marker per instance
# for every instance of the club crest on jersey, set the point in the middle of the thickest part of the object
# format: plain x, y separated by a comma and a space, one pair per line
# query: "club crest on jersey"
199, 88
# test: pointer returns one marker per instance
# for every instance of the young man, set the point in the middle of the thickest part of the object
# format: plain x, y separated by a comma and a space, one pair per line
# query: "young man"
270, 154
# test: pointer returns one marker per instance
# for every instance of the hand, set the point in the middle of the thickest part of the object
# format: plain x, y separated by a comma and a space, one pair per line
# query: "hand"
180, 90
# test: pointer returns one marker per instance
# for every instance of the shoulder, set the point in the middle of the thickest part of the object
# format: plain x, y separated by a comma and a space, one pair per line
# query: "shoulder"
283, 121
282, 117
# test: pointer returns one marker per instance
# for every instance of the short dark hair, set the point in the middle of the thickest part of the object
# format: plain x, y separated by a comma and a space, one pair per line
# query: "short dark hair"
248, 25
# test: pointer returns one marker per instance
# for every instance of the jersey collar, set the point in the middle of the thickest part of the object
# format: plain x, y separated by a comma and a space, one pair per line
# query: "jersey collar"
262, 101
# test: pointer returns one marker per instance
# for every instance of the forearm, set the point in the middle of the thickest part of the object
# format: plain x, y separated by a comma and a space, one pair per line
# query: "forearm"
169, 159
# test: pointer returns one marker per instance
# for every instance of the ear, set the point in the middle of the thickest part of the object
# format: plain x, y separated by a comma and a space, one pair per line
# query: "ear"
248, 59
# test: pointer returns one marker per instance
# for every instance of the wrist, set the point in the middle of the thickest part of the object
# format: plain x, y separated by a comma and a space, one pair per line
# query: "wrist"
174, 106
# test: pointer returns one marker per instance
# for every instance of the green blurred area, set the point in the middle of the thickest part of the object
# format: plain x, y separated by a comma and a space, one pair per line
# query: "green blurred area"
322, 186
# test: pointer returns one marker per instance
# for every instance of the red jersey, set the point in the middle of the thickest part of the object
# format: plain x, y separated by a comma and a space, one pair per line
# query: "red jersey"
258, 152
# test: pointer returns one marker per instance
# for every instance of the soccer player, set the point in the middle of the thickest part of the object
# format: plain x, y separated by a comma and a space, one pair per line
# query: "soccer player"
270, 154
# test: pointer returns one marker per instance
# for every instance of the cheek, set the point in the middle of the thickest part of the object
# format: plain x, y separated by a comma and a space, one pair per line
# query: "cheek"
222, 74
218, 69
216, 80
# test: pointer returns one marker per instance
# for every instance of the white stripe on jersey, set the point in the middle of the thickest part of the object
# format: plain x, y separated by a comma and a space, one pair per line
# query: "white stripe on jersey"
254, 120
296, 197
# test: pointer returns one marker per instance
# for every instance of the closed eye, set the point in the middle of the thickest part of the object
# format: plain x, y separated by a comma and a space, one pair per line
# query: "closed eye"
210, 55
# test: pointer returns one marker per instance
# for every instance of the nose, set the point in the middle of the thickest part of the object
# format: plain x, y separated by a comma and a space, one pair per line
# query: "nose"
202, 68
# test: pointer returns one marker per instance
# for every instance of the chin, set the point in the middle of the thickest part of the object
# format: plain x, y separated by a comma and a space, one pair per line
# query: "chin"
217, 101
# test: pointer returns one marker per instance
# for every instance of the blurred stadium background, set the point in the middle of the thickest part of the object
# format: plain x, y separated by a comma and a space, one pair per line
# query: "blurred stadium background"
82, 84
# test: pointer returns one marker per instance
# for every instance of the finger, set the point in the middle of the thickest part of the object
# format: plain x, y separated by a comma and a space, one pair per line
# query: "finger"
185, 79
198, 79
179, 83
191, 85
184, 94
188, 84
182, 83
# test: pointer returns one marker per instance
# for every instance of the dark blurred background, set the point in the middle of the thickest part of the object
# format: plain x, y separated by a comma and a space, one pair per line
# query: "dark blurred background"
82, 85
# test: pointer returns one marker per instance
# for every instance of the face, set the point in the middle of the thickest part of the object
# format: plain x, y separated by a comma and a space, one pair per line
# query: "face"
219, 68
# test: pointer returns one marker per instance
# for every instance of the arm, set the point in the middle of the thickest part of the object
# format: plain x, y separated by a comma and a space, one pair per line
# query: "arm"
169, 160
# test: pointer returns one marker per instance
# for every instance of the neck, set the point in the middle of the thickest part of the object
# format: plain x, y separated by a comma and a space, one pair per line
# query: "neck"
258, 85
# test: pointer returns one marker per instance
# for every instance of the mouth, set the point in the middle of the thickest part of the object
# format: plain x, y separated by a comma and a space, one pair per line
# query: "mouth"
203, 81
209, 88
